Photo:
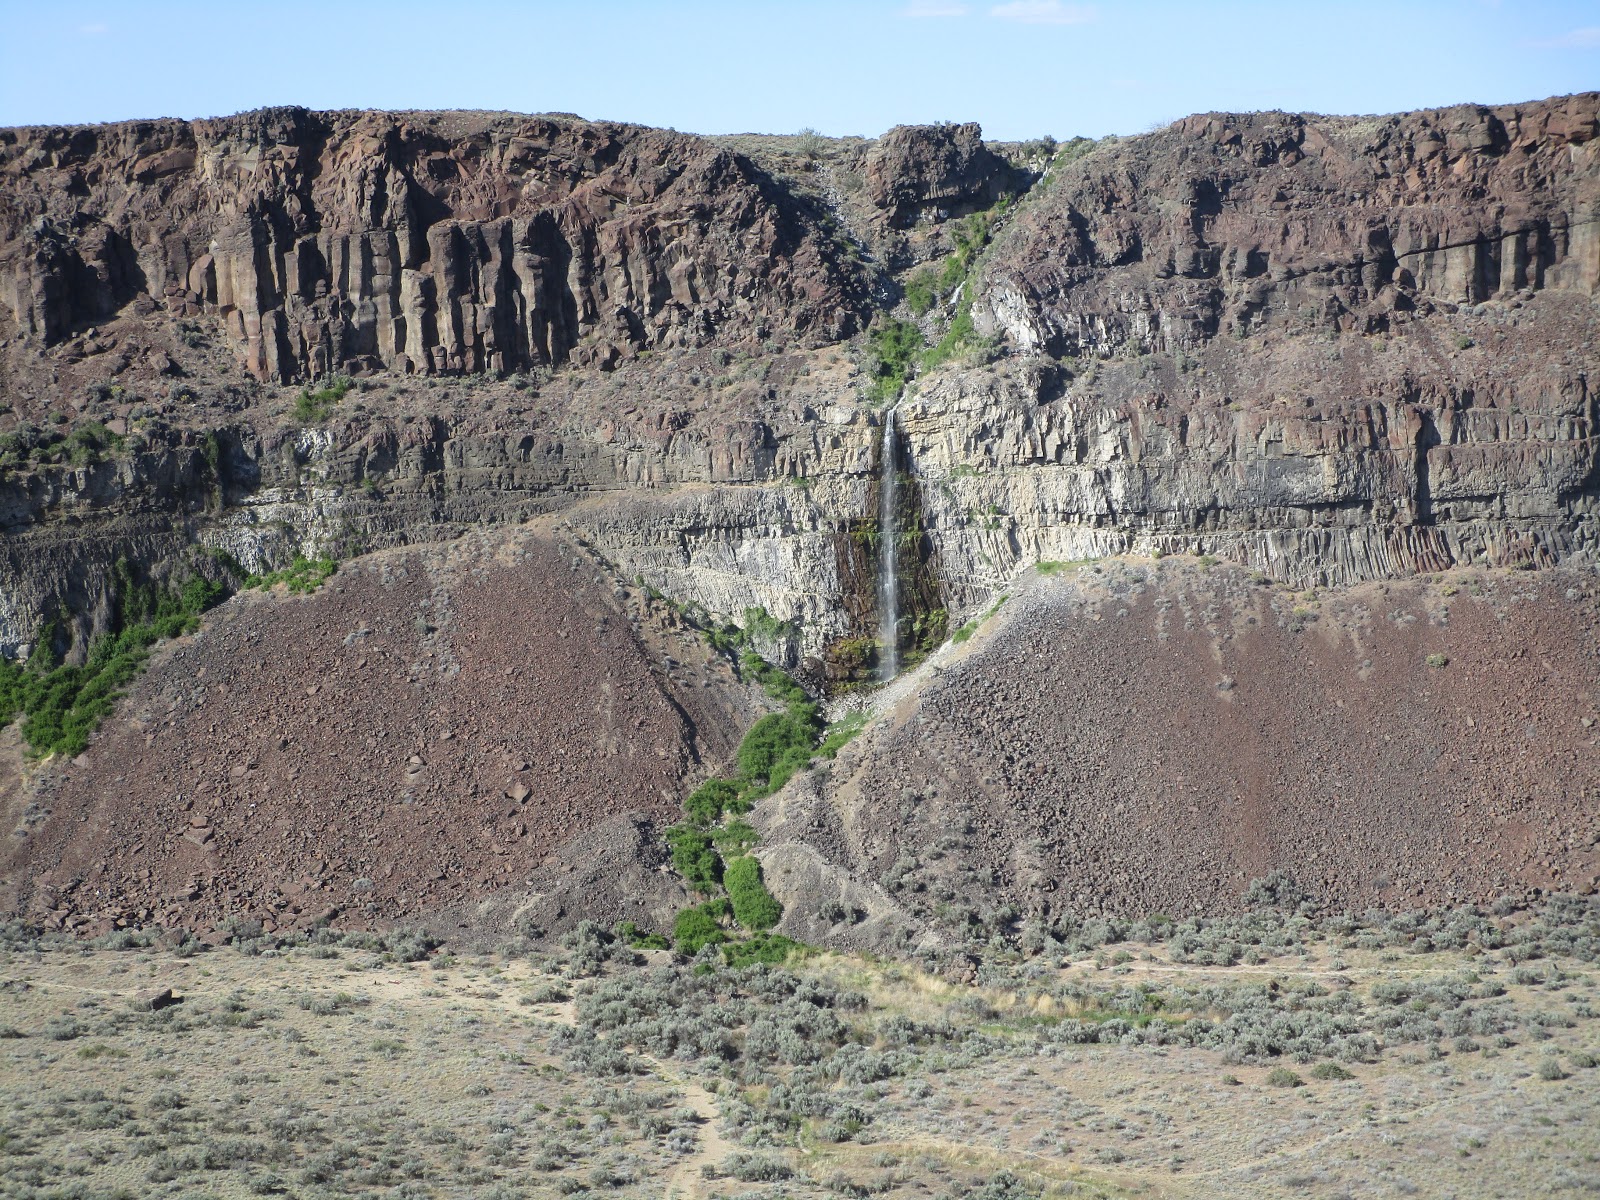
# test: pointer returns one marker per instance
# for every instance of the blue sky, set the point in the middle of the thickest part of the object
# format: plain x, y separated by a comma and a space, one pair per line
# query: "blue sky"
1020, 67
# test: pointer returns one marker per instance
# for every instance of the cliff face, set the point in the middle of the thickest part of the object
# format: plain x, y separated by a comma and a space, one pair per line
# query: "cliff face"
1334, 349
1228, 224
430, 242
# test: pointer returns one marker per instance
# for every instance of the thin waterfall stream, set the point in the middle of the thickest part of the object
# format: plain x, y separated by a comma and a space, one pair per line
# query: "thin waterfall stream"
888, 539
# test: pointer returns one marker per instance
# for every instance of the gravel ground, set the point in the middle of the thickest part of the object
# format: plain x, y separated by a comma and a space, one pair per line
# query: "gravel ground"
1139, 737
431, 728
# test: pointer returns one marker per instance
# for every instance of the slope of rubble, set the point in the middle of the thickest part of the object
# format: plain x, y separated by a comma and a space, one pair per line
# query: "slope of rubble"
1136, 737
431, 726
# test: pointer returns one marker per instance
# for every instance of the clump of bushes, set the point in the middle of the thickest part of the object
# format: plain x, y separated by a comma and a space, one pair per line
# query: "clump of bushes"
708, 802
87, 444
753, 906
699, 927
641, 939
313, 407
776, 747
695, 858
62, 705
304, 575
895, 347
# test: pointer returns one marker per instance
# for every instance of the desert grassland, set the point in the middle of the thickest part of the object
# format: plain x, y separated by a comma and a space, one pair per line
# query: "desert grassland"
323, 1070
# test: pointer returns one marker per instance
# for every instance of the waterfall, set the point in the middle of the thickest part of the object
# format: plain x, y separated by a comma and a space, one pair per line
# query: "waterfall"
888, 539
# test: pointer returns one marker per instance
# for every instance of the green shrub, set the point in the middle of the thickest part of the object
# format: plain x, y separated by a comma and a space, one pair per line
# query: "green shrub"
1283, 1077
639, 939
770, 948
756, 1168
759, 621
304, 575
711, 799
312, 407
895, 346
753, 906
1330, 1070
774, 682
777, 746
1437, 661
971, 237
698, 927
921, 290
961, 338
694, 857
62, 705
88, 442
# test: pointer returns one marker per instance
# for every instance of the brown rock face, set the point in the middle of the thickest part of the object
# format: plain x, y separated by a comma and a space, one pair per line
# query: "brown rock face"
940, 169
1228, 223
1141, 738
428, 242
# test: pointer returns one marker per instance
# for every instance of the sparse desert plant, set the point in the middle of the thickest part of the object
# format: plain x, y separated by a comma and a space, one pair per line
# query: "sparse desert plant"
756, 1168
64, 1028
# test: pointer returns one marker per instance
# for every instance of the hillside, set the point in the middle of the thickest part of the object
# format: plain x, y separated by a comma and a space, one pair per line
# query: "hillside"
572, 403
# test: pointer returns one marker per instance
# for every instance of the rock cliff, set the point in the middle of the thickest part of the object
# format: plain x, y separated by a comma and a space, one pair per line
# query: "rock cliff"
431, 242
1332, 348
1334, 351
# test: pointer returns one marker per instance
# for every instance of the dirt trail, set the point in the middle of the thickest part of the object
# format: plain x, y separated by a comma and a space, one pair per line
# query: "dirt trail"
688, 1179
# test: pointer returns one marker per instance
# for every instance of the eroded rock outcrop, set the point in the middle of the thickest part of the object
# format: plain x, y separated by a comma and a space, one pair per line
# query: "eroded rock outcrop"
1335, 349
428, 242
1228, 223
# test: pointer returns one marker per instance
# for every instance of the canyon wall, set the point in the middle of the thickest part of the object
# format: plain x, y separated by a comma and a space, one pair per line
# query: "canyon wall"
430, 242
1333, 349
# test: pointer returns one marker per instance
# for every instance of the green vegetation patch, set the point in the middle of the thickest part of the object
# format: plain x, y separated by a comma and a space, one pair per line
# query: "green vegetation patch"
314, 407
89, 443
956, 276
753, 906
777, 746
304, 575
694, 858
1057, 567
772, 949
708, 802
698, 927
641, 939
895, 346
62, 705
711, 846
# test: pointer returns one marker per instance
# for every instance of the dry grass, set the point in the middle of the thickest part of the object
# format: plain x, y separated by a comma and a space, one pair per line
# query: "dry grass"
303, 1075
